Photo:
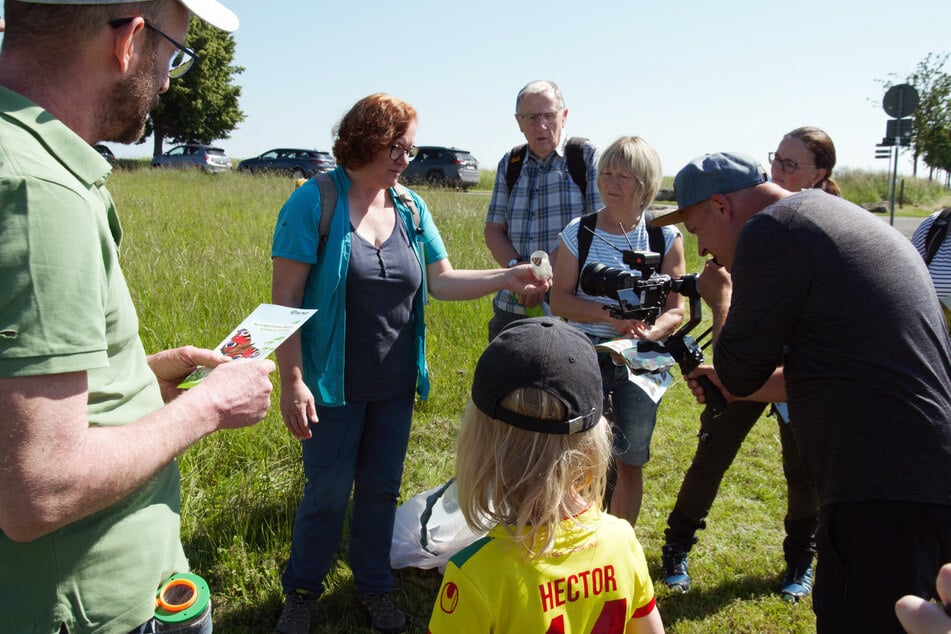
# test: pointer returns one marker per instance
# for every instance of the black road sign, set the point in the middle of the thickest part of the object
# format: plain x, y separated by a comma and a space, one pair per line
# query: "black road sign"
899, 128
900, 100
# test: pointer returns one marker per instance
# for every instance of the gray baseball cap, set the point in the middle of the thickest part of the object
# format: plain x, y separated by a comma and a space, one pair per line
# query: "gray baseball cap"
704, 176
211, 11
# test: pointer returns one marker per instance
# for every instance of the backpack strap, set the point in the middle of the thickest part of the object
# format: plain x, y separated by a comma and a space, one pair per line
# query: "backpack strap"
574, 156
655, 237
516, 159
407, 199
328, 202
655, 240
585, 235
936, 234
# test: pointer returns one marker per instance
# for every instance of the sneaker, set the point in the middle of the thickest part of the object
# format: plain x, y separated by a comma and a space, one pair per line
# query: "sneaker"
295, 616
796, 583
384, 616
674, 559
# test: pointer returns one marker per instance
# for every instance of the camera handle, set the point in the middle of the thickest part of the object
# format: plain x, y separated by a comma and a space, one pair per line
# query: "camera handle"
689, 357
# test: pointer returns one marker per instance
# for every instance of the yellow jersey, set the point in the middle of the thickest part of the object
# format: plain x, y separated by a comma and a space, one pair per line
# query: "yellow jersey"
595, 579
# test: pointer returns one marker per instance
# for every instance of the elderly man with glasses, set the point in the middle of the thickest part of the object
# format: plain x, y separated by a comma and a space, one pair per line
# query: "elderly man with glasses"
537, 192
91, 426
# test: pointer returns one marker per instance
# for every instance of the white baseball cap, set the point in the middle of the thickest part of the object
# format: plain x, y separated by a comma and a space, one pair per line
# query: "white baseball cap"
211, 11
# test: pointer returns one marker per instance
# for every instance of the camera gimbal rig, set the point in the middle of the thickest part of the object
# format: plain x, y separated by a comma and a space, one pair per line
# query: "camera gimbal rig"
642, 295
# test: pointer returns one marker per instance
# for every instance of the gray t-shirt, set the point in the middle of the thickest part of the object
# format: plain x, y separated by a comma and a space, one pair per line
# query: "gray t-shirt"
845, 303
381, 286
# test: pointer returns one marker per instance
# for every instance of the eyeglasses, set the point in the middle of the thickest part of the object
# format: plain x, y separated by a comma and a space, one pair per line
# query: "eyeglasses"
533, 119
397, 150
180, 62
788, 165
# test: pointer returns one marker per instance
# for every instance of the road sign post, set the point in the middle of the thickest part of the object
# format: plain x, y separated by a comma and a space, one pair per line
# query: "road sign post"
899, 102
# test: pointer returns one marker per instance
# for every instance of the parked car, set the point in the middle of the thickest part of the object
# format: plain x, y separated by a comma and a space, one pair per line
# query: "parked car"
296, 162
447, 166
211, 159
106, 153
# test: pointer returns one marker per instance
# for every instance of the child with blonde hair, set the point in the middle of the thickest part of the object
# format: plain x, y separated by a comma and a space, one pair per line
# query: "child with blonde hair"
531, 467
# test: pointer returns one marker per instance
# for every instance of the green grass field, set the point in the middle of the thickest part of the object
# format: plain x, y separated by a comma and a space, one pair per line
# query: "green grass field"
196, 254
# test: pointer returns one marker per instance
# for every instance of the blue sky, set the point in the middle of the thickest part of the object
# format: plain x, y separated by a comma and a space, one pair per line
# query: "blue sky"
689, 77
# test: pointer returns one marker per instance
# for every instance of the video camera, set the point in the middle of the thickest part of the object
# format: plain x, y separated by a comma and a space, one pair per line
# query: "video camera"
641, 293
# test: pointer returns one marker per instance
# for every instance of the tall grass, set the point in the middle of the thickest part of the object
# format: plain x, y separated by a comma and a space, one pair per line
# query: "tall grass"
196, 254
916, 196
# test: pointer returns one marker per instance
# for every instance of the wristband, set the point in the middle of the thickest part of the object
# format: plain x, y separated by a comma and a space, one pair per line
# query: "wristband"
513, 262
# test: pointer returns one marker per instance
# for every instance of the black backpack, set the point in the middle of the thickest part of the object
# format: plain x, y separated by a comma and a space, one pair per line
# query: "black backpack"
574, 156
655, 237
936, 234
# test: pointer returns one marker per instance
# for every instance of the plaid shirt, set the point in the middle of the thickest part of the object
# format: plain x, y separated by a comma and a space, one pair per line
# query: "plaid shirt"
542, 202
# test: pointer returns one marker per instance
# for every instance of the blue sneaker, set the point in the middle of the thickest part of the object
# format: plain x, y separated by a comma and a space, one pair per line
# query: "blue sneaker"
797, 582
674, 560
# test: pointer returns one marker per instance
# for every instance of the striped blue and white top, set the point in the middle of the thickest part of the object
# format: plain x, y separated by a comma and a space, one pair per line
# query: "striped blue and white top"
599, 251
940, 267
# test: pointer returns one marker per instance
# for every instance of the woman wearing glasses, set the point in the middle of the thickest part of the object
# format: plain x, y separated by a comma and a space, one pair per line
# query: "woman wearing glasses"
804, 160
348, 381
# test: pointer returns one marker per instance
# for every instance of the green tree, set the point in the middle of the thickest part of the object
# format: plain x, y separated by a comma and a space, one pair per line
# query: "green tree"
932, 118
937, 154
201, 106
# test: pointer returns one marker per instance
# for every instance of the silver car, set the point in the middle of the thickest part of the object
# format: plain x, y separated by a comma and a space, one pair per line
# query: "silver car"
208, 158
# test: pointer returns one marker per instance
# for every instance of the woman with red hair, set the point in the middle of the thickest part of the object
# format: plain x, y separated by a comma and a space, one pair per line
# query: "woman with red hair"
348, 381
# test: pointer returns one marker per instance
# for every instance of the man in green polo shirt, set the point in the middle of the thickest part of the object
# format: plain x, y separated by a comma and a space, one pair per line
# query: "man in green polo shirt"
90, 425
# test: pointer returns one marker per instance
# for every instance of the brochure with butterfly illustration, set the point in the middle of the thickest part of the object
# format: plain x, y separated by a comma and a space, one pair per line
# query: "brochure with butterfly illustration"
641, 356
648, 363
256, 337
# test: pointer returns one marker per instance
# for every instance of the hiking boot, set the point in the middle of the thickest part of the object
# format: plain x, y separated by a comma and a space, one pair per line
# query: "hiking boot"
295, 616
384, 616
674, 559
797, 581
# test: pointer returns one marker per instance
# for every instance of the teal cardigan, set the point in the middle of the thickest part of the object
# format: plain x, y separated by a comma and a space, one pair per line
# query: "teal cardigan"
323, 337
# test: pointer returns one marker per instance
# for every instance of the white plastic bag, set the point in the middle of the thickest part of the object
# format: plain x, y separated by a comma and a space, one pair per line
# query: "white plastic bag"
429, 529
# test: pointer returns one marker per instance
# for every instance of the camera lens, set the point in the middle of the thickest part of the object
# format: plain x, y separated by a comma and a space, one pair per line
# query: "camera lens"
599, 280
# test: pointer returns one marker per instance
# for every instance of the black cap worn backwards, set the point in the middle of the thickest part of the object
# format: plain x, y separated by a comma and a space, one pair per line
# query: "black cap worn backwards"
547, 354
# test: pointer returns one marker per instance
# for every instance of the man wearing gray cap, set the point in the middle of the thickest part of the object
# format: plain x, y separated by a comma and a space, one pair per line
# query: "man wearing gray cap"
833, 311
91, 425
